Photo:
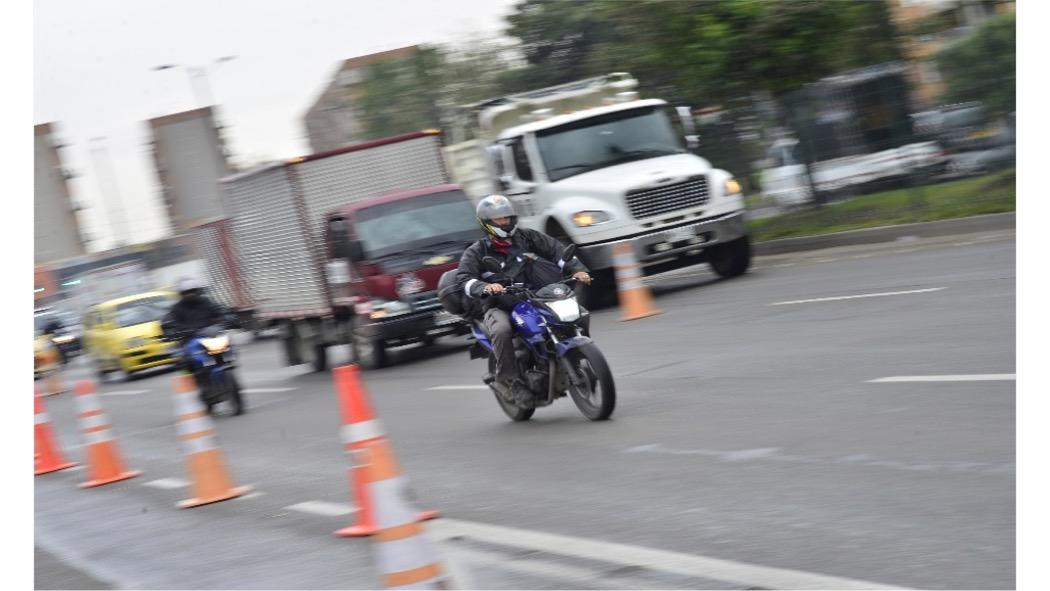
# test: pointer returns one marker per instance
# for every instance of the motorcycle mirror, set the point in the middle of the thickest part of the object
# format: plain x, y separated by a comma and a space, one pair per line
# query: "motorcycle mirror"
491, 264
570, 253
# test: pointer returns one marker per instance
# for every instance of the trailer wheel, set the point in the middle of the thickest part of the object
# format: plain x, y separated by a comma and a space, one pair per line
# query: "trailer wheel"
290, 339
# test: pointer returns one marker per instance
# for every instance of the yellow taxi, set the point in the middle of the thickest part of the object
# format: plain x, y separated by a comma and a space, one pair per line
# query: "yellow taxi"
124, 335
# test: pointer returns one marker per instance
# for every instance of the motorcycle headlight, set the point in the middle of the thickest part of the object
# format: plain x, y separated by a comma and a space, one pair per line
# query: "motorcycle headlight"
64, 339
216, 345
385, 309
566, 310
583, 219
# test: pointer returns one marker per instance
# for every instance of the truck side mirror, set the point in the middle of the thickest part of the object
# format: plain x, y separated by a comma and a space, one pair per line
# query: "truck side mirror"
504, 182
692, 141
685, 115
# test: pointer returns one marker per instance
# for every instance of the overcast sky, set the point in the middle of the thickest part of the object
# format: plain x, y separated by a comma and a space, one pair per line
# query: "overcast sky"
92, 75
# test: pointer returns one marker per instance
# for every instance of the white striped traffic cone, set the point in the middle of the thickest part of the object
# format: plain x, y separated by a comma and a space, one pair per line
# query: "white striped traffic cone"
104, 463
204, 461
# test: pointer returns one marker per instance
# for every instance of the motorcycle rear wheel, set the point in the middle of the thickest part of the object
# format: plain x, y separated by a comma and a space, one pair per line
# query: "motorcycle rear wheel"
596, 399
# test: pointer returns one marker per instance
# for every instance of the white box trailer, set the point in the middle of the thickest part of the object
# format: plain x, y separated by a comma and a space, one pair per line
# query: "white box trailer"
278, 221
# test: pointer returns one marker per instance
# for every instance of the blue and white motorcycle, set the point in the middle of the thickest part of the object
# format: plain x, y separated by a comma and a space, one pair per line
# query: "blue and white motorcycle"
209, 356
554, 356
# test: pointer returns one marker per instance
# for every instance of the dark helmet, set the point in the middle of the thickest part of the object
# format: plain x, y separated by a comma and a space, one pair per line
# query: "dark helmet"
495, 207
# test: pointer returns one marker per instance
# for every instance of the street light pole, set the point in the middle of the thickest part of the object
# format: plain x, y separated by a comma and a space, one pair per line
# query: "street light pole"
202, 92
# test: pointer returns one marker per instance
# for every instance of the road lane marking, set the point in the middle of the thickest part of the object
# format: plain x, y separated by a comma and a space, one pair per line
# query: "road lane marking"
470, 387
252, 495
984, 377
322, 508
776, 454
266, 390
125, 393
704, 567
167, 483
853, 297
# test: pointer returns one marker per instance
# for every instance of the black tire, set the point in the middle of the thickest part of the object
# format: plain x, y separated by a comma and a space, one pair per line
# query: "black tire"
234, 394
290, 340
368, 353
320, 360
596, 406
513, 411
732, 258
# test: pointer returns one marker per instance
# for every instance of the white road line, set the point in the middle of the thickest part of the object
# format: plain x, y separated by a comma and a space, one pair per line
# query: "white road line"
266, 390
741, 573
852, 297
167, 483
984, 377
125, 393
322, 508
252, 495
469, 387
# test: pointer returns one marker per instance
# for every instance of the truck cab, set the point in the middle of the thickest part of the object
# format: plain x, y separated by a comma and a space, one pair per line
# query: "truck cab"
591, 164
385, 256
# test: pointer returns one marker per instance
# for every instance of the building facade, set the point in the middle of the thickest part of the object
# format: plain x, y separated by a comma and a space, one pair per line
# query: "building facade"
929, 26
190, 157
56, 229
333, 121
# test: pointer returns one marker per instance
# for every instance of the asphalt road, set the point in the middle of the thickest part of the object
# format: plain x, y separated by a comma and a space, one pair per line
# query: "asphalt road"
752, 447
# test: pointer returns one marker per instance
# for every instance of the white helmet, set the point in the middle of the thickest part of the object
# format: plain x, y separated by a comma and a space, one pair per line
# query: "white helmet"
495, 207
187, 284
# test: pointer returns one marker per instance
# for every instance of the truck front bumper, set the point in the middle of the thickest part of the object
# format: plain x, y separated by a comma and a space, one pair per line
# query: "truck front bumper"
670, 248
411, 328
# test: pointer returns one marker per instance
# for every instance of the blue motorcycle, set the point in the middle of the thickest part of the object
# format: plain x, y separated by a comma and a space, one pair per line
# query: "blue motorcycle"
555, 357
208, 355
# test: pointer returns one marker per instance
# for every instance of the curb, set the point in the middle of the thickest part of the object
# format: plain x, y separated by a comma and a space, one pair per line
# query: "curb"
967, 225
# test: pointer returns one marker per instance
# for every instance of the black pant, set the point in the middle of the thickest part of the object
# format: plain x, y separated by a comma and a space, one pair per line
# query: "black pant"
497, 327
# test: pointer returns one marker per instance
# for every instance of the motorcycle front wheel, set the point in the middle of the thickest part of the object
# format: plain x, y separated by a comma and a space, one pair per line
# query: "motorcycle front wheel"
592, 388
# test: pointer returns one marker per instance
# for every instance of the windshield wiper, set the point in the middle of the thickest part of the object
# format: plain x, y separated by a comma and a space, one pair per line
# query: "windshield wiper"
585, 167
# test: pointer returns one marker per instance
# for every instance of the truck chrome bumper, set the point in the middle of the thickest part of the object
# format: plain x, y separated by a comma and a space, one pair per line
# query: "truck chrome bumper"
661, 246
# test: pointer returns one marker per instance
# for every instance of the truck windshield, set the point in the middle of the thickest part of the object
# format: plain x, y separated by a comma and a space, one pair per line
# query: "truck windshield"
582, 146
142, 311
418, 223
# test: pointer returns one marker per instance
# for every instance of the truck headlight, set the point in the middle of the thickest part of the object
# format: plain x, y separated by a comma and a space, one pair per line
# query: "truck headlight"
732, 187
582, 219
64, 339
385, 309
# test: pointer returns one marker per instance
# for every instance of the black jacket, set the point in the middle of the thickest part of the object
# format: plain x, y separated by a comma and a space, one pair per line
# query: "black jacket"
188, 316
471, 274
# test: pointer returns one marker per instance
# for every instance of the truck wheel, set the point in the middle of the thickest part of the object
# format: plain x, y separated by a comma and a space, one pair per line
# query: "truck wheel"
732, 258
320, 361
290, 339
601, 293
368, 353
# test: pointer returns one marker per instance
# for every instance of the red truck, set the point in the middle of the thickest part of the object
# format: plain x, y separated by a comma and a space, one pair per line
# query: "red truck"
343, 247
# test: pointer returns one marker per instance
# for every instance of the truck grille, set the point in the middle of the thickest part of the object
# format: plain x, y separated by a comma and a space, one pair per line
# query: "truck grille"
651, 201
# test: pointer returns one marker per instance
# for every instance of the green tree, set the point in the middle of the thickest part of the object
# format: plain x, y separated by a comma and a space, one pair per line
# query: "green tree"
983, 66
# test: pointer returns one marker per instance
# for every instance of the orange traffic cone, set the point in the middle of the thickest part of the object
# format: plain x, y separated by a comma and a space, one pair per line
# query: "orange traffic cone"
361, 428
48, 456
103, 458
204, 461
405, 557
53, 382
636, 301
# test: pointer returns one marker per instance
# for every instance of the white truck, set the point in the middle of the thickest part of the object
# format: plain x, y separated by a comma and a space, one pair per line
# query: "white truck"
592, 164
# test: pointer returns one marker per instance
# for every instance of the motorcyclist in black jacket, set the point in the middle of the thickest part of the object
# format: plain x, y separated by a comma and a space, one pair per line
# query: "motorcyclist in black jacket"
193, 311
526, 255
